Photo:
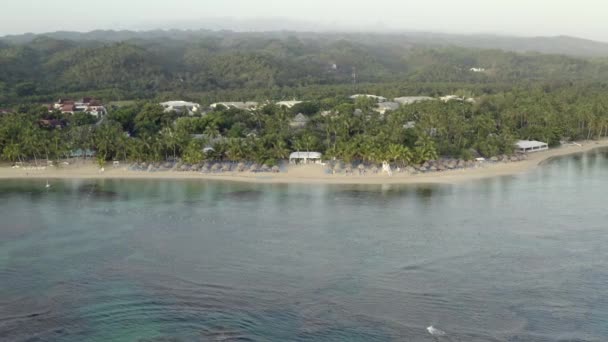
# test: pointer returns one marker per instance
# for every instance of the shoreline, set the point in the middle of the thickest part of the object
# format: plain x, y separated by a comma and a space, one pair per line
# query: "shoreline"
310, 174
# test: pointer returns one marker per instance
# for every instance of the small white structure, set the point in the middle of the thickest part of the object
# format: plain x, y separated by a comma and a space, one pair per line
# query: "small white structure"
451, 98
288, 104
409, 124
305, 157
524, 146
181, 107
386, 167
384, 107
375, 97
477, 69
300, 121
406, 100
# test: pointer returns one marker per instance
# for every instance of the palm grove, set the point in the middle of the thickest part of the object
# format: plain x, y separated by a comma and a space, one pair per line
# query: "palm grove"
520, 96
145, 132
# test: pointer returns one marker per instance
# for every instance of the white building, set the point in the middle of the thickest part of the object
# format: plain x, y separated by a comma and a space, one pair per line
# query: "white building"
406, 100
524, 146
375, 97
384, 107
249, 105
477, 69
305, 157
181, 107
449, 98
288, 104
300, 121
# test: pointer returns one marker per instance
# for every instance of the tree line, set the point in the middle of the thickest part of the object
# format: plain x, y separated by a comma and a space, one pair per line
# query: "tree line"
349, 130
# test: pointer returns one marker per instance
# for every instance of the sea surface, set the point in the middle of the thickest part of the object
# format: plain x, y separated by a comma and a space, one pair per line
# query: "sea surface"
518, 258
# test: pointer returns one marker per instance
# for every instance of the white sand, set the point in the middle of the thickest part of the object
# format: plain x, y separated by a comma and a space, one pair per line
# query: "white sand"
303, 174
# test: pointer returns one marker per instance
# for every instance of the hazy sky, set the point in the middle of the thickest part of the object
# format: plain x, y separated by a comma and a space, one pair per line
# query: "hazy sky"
582, 18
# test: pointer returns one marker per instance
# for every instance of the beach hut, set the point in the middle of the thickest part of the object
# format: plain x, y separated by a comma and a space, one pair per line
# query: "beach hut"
305, 157
524, 146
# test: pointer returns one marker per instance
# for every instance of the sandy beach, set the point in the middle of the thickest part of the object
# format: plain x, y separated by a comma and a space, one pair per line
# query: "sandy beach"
304, 173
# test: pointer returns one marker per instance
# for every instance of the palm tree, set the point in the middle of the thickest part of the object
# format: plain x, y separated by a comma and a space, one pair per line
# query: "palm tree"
425, 149
235, 149
279, 149
12, 152
31, 141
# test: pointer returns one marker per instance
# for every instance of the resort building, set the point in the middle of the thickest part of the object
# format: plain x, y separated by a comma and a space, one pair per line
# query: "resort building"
406, 100
288, 104
300, 121
305, 158
384, 107
181, 107
250, 105
375, 97
524, 146
86, 104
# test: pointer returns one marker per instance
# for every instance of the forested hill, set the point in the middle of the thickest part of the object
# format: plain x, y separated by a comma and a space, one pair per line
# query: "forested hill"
229, 65
564, 45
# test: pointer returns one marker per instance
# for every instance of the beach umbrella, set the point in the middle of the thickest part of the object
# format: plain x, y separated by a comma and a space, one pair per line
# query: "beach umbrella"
265, 168
205, 169
240, 167
226, 167
216, 167
253, 168
275, 169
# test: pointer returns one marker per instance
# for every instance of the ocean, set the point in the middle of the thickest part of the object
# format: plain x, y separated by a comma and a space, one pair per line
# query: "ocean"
517, 258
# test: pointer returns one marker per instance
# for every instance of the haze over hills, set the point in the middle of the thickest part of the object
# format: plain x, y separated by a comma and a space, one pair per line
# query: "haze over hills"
565, 45
282, 64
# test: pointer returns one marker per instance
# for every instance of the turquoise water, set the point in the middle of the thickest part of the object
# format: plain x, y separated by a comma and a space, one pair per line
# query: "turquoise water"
520, 258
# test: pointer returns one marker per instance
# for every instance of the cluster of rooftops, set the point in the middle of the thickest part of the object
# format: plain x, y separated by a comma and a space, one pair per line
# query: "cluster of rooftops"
86, 104
96, 108
383, 104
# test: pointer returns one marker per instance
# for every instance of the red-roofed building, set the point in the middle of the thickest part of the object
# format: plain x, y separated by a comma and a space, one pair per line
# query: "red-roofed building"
68, 108
86, 104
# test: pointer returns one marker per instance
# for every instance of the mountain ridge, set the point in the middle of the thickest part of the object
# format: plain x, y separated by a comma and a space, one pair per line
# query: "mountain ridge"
560, 44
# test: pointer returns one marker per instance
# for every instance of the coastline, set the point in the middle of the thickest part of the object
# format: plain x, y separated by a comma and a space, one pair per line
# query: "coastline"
309, 174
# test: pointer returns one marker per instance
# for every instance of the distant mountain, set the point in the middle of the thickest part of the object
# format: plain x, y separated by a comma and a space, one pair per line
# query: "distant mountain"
563, 45
130, 64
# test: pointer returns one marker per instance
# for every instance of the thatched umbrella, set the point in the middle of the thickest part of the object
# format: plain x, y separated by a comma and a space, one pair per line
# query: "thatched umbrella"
216, 167
240, 167
348, 168
361, 168
337, 168
265, 168
253, 168
205, 169
226, 167
275, 169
